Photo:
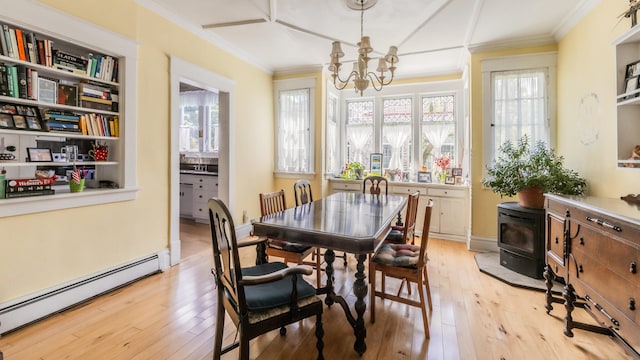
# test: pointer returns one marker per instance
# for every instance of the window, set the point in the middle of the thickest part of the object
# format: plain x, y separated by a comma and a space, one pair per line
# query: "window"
294, 135
409, 124
333, 165
199, 122
519, 99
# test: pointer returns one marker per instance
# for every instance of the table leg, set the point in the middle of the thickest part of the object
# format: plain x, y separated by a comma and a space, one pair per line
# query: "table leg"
360, 288
329, 257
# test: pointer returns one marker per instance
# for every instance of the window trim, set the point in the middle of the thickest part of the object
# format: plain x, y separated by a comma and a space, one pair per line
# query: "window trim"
546, 60
294, 84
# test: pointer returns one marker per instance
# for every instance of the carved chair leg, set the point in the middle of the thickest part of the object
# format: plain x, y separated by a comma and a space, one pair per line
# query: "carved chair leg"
319, 335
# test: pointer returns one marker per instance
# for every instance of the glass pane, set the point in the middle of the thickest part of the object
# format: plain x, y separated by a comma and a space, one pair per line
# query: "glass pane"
519, 106
189, 129
293, 131
396, 133
212, 140
333, 162
359, 130
438, 129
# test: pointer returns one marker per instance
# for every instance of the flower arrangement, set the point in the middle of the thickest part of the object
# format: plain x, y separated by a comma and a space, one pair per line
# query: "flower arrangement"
443, 162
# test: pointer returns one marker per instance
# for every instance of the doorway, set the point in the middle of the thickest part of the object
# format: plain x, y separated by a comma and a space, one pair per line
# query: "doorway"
183, 72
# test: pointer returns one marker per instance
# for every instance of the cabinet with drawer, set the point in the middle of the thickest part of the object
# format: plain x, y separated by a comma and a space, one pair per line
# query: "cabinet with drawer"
597, 257
450, 213
203, 187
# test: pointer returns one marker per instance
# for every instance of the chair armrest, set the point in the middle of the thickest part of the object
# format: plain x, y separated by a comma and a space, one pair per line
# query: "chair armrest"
251, 241
276, 275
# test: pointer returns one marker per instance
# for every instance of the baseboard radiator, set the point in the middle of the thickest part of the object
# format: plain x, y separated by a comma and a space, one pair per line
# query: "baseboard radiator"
28, 309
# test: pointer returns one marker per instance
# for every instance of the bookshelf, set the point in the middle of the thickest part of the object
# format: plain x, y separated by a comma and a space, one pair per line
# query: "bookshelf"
627, 48
73, 41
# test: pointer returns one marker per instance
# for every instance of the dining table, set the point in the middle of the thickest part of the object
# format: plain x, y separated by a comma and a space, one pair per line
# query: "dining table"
351, 222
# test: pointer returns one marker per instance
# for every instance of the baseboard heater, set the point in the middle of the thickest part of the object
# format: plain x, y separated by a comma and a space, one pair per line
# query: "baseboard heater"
31, 308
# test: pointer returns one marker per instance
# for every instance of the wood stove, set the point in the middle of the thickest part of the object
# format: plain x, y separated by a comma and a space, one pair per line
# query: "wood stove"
521, 239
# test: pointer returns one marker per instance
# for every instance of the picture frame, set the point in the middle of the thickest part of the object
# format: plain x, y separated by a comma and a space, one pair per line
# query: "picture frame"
33, 123
448, 172
6, 121
450, 180
633, 69
456, 172
39, 155
375, 164
631, 84
459, 180
67, 95
424, 177
47, 91
20, 122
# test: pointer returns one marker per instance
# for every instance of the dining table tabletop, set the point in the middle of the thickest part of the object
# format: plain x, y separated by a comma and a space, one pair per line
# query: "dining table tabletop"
352, 222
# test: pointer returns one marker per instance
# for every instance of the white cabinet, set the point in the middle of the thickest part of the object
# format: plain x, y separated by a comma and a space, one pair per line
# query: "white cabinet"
203, 187
450, 213
628, 99
186, 200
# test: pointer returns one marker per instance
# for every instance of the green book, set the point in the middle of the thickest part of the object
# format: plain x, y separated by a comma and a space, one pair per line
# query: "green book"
15, 86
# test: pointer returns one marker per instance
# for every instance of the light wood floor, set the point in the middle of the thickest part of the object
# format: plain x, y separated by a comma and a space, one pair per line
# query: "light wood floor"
171, 316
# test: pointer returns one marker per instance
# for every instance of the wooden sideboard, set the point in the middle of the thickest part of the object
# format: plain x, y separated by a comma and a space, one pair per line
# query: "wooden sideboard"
593, 246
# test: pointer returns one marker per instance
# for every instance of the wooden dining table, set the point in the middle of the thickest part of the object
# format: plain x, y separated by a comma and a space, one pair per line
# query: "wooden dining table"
355, 223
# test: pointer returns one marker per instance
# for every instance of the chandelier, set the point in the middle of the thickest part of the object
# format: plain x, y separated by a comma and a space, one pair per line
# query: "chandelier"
360, 74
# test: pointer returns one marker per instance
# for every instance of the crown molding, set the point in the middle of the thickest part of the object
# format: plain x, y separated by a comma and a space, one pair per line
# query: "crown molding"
202, 33
513, 43
573, 18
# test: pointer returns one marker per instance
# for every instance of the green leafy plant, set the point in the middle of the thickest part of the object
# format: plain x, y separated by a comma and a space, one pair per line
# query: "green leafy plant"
522, 166
356, 165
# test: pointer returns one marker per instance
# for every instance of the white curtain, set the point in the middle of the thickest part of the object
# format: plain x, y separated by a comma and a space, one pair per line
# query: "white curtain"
437, 134
396, 136
198, 98
359, 137
519, 106
293, 131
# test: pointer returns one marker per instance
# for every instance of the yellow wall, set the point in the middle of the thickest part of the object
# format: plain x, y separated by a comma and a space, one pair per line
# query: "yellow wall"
47, 249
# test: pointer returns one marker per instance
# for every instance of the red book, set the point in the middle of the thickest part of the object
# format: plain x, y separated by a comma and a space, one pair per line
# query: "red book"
42, 57
21, 49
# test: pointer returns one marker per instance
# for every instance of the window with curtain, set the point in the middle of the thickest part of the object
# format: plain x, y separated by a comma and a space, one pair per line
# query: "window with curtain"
396, 133
359, 131
333, 165
437, 129
199, 122
518, 99
294, 133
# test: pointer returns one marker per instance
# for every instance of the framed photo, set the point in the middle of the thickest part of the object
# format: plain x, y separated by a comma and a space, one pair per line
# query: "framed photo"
424, 177
376, 164
6, 121
450, 180
633, 69
631, 85
26, 110
459, 180
68, 95
33, 123
19, 122
456, 172
39, 155
448, 172
47, 91
8, 109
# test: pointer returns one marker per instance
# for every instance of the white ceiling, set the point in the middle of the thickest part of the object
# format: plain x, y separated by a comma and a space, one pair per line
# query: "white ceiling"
432, 36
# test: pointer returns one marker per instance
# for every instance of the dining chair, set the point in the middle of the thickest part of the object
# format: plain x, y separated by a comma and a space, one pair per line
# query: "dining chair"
406, 233
376, 182
274, 202
405, 262
303, 195
260, 298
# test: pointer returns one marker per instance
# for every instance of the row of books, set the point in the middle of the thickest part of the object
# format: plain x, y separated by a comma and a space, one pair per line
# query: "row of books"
86, 124
28, 187
18, 81
24, 45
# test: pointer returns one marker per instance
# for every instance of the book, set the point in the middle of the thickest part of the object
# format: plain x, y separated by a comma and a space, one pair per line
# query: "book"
70, 60
29, 85
3, 43
48, 44
11, 89
14, 80
21, 45
72, 118
4, 82
31, 47
62, 126
41, 56
7, 38
34, 84
14, 43
22, 81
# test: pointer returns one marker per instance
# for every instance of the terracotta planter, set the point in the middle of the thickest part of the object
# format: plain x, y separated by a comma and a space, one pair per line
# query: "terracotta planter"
531, 198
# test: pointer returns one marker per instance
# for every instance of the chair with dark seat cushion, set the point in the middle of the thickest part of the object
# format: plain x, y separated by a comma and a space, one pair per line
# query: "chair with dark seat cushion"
408, 263
271, 203
406, 233
260, 298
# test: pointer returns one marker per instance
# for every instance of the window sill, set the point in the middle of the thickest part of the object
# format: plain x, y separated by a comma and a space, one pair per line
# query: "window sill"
294, 175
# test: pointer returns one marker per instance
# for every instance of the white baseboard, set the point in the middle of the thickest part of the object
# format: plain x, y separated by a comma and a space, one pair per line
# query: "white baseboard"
483, 244
33, 307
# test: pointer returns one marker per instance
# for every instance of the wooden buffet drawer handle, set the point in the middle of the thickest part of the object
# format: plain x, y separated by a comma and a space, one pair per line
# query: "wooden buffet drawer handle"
632, 304
604, 223
633, 268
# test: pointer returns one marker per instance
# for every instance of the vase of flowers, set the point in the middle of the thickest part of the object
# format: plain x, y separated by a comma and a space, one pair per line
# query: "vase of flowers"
440, 168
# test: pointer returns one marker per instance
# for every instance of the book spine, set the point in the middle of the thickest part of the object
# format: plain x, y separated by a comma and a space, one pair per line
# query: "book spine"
83, 125
7, 37
10, 80
42, 60
3, 43
22, 81
21, 45
116, 123
114, 77
4, 82
31, 47
34, 84
14, 43
29, 87
48, 44
99, 67
96, 100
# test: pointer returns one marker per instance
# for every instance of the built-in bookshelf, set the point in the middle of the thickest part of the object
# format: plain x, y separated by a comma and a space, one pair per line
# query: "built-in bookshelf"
628, 98
65, 82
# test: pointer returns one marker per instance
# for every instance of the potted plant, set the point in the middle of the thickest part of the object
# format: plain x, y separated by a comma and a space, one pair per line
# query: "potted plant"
356, 168
530, 171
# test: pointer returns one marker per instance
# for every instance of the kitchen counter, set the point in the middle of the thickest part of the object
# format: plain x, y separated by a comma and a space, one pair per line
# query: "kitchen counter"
198, 172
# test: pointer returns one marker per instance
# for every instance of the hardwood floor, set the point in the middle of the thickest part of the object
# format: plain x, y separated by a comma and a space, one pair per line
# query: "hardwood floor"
172, 316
